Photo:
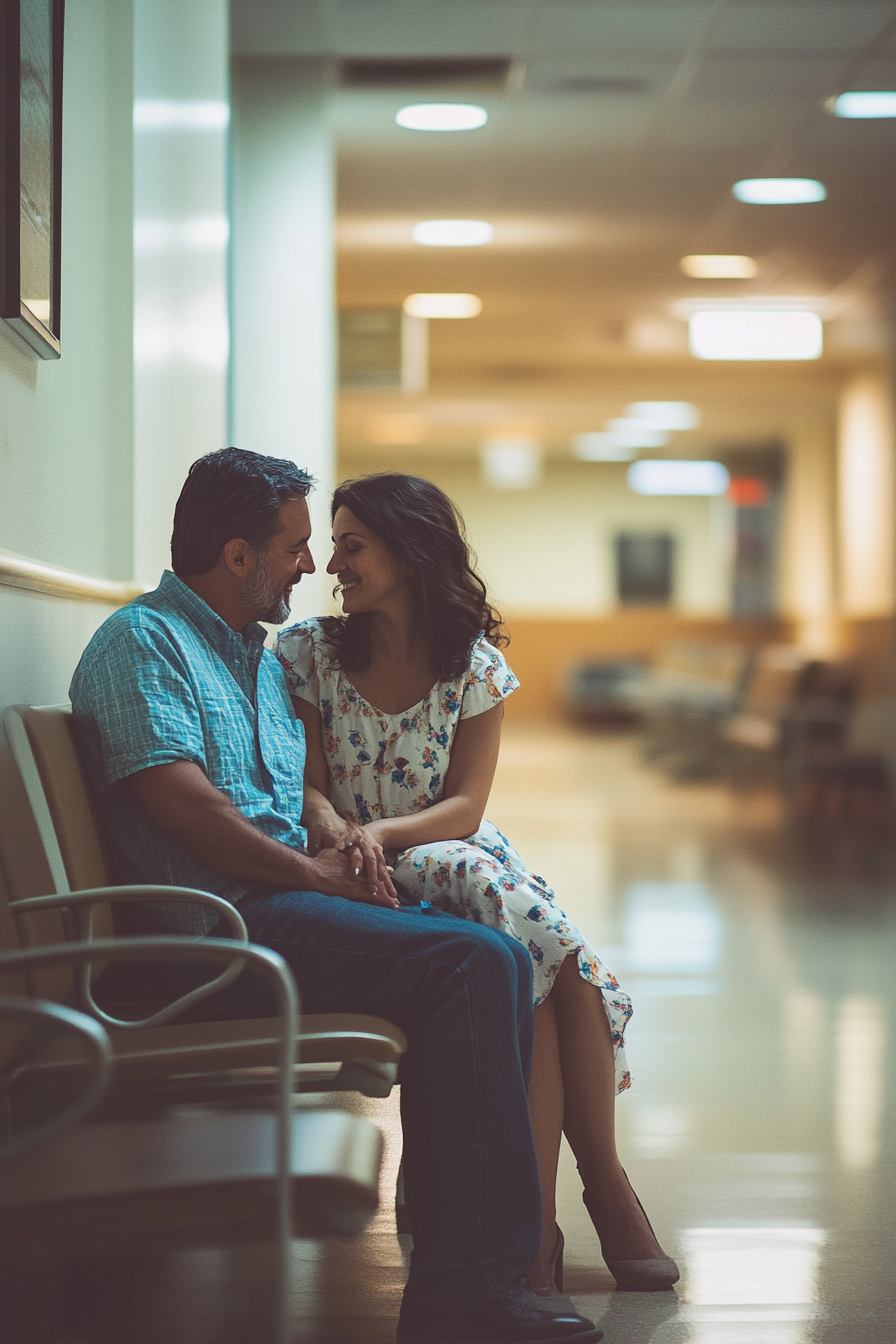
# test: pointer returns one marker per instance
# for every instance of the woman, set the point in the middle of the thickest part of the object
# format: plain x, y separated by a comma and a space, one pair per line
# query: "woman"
402, 702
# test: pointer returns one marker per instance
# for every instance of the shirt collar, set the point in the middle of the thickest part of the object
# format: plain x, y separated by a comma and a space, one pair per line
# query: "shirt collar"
209, 624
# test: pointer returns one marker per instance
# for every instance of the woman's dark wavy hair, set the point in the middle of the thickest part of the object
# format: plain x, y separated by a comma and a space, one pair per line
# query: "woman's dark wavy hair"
419, 523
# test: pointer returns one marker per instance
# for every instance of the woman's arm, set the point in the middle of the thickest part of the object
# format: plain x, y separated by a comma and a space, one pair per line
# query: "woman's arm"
474, 756
326, 829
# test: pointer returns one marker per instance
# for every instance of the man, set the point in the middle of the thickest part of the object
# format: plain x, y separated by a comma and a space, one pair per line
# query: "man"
197, 759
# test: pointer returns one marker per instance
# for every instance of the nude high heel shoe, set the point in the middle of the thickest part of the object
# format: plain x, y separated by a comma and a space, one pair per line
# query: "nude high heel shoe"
635, 1276
555, 1291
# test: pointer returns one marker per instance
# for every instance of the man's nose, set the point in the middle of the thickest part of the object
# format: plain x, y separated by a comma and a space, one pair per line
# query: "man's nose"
306, 562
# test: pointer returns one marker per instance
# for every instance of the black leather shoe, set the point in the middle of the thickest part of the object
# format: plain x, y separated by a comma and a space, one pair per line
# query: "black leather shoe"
518, 1318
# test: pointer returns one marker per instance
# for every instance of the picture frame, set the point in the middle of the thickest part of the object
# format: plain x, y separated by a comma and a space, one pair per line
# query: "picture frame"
31, 37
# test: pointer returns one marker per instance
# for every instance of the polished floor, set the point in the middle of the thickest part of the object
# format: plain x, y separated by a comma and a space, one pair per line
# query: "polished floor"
759, 1130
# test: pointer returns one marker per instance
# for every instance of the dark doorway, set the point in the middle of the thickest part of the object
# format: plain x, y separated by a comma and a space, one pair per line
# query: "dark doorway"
645, 564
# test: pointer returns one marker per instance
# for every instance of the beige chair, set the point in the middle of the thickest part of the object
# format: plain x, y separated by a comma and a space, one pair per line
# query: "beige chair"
79, 1190
53, 855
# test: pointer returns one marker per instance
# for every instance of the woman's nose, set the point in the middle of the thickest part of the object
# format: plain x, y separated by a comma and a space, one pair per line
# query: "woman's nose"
333, 566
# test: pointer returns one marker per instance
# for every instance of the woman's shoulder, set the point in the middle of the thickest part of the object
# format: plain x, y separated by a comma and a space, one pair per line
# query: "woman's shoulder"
304, 638
485, 658
488, 678
304, 650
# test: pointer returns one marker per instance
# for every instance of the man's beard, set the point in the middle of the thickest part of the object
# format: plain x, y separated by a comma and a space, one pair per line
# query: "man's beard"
260, 594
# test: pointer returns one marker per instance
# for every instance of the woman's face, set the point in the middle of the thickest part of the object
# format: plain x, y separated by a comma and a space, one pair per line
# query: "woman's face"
371, 575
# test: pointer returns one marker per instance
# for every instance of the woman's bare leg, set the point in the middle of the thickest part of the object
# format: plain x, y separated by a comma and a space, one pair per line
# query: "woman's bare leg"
546, 1112
589, 1089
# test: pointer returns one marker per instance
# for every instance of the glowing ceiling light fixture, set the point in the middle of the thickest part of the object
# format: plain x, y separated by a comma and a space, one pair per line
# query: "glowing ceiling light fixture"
864, 104
665, 414
166, 114
669, 477
453, 233
779, 190
512, 464
718, 267
755, 333
442, 117
443, 305
615, 445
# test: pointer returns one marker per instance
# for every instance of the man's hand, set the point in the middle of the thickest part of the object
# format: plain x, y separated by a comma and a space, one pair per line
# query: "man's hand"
182, 801
327, 830
335, 872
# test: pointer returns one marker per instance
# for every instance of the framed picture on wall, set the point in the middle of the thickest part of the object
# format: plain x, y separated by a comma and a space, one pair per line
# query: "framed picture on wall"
31, 170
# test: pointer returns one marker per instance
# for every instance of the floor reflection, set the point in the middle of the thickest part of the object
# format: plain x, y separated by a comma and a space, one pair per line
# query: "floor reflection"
759, 1130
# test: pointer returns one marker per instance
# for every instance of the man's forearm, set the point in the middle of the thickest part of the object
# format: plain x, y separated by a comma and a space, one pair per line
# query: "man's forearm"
208, 825
182, 801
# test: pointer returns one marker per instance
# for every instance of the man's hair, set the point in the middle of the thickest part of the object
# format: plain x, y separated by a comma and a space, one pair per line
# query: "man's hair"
228, 494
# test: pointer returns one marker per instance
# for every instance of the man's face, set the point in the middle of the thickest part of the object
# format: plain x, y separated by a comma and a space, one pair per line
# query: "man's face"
269, 587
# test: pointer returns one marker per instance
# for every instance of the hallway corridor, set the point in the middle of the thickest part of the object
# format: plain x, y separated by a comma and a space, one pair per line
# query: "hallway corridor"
759, 1127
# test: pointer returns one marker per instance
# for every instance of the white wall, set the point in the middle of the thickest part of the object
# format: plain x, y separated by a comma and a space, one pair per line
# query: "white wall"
66, 425
550, 550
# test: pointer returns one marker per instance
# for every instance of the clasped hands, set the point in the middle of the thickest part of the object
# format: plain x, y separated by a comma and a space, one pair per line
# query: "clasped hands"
351, 861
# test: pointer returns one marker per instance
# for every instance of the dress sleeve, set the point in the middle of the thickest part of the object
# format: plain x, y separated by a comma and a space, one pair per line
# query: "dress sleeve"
296, 649
489, 680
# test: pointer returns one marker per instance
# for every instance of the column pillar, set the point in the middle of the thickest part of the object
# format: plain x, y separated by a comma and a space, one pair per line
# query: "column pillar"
283, 367
866, 490
807, 569
181, 115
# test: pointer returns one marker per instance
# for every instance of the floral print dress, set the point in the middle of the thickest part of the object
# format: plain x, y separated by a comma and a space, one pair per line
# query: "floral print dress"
389, 765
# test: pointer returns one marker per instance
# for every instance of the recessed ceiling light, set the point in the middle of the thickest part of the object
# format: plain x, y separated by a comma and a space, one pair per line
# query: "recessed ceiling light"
779, 190
704, 267
878, 103
661, 477
512, 464
755, 333
615, 446
453, 232
443, 305
665, 414
442, 117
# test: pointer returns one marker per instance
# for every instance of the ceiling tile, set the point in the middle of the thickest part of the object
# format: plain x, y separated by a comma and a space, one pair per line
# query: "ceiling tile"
277, 28
845, 27
379, 28
636, 31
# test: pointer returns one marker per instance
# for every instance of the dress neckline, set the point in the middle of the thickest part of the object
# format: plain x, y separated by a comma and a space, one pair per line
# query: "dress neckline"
399, 713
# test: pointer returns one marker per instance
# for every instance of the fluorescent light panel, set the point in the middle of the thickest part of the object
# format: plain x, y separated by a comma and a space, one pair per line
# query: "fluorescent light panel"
164, 114
665, 414
443, 305
512, 464
864, 104
669, 477
778, 190
442, 117
746, 334
453, 233
718, 267
614, 445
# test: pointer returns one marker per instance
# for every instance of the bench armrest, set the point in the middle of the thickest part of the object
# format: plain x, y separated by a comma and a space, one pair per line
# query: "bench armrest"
117, 895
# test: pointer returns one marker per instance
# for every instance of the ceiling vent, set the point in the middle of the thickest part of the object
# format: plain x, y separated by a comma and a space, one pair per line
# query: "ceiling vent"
599, 84
423, 72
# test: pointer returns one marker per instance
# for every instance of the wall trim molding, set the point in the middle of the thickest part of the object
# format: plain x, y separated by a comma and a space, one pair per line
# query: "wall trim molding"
17, 571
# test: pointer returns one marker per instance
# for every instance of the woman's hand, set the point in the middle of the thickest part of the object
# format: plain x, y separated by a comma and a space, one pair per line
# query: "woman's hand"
363, 851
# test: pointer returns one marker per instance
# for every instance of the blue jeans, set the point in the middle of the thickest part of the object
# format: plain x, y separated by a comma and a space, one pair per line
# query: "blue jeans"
463, 995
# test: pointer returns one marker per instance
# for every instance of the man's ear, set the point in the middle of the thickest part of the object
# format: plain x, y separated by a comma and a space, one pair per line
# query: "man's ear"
239, 557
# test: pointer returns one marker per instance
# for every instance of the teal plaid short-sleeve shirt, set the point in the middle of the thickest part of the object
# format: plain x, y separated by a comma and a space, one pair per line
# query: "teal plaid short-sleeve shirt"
166, 679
